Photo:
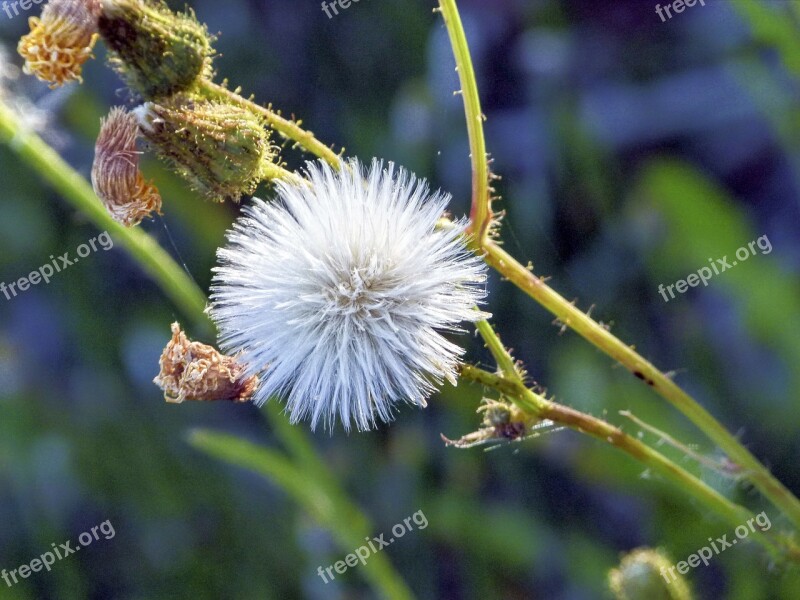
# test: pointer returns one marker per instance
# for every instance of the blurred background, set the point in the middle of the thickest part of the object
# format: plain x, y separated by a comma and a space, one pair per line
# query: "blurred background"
631, 151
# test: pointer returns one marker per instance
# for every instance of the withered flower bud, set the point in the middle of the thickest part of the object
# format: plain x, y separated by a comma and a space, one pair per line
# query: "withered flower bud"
156, 51
60, 41
195, 371
221, 150
116, 177
502, 422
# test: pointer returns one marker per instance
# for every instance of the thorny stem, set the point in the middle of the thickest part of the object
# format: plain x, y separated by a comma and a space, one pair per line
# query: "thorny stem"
503, 357
270, 172
539, 407
566, 312
600, 337
728, 470
287, 128
481, 211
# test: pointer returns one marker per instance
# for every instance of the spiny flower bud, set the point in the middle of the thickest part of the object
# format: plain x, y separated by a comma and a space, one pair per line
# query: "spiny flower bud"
222, 150
644, 574
60, 41
156, 51
116, 177
195, 371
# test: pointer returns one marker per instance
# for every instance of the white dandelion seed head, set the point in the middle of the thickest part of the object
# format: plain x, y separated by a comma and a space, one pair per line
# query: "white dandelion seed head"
337, 294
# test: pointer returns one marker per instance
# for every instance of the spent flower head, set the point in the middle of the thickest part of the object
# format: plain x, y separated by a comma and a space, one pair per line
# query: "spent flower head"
116, 177
338, 293
198, 372
60, 41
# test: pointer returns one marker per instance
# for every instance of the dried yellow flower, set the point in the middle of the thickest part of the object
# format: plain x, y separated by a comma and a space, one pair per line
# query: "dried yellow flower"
195, 371
116, 177
60, 41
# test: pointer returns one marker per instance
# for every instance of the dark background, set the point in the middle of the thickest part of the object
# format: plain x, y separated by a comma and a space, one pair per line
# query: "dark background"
631, 152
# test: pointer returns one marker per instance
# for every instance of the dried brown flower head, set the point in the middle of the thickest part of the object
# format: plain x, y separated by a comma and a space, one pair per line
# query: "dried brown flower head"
116, 177
195, 371
60, 41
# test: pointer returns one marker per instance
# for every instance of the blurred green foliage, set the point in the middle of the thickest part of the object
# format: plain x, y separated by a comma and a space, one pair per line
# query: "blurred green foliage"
631, 150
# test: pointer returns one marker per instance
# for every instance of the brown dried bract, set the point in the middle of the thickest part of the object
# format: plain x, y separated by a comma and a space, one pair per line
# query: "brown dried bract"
116, 177
60, 41
195, 371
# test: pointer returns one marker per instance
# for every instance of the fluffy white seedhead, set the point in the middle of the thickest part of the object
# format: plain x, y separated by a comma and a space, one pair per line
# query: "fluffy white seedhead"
336, 294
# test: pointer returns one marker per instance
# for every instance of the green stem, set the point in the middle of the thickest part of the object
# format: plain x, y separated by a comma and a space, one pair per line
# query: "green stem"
40, 157
504, 359
481, 211
566, 312
271, 172
721, 468
299, 445
287, 128
542, 408
599, 336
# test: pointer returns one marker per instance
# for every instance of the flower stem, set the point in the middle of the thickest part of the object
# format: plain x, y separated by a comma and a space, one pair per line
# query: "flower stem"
481, 211
504, 359
270, 171
542, 408
588, 328
40, 157
286, 127
566, 312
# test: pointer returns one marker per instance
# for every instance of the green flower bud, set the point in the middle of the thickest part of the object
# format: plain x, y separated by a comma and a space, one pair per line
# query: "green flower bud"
647, 574
222, 150
156, 51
